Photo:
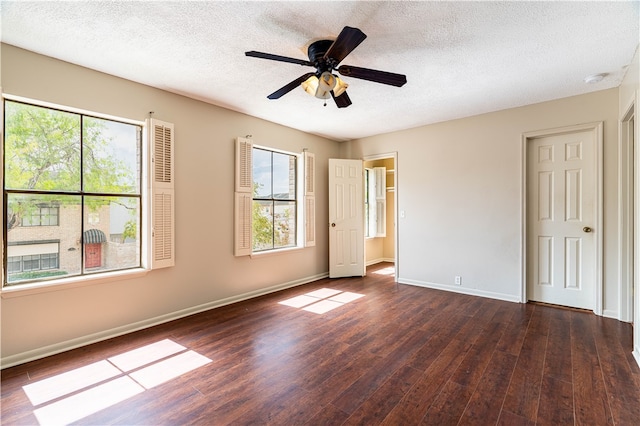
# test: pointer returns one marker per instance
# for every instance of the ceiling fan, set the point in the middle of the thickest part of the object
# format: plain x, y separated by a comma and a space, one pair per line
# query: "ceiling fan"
324, 56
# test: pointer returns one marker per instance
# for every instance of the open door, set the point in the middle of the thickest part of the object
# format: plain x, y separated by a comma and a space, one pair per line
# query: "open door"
346, 219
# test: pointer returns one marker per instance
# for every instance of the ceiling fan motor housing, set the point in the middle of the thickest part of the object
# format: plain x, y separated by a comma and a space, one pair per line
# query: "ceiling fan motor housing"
316, 52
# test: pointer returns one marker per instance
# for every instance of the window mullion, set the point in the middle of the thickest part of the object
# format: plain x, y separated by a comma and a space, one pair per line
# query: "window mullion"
82, 198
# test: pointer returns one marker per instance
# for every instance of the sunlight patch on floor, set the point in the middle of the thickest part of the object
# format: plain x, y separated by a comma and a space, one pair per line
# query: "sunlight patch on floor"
322, 300
65, 383
145, 355
75, 394
168, 369
389, 270
90, 401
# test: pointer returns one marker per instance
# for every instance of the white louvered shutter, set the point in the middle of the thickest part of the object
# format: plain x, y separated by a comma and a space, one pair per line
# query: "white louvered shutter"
243, 227
162, 194
309, 199
309, 174
381, 201
244, 167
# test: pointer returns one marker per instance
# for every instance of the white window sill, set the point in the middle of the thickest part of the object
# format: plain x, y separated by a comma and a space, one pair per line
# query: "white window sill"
275, 252
19, 290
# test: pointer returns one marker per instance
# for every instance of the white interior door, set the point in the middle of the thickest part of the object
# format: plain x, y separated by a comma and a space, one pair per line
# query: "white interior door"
562, 207
346, 219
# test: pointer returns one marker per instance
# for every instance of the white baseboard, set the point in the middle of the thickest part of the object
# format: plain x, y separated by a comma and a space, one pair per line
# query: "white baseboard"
636, 355
461, 290
57, 348
380, 260
608, 313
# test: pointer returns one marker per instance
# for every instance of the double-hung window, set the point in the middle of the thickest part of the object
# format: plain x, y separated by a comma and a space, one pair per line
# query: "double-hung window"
72, 193
274, 214
274, 199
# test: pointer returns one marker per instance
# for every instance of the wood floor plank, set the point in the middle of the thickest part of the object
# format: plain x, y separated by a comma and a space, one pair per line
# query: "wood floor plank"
513, 337
524, 390
558, 357
448, 405
486, 402
623, 395
369, 382
590, 396
472, 367
508, 418
414, 405
399, 354
556, 402
328, 416
375, 408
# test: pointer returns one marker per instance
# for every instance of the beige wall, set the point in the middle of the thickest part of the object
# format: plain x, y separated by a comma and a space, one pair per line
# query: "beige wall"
206, 271
459, 184
460, 187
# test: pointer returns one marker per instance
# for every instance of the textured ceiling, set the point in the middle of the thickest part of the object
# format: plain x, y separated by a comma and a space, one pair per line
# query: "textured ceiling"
460, 58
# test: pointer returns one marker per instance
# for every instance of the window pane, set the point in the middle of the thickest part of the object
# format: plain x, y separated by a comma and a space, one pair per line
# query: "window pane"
284, 176
43, 252
261, 173
14, 264
113, 241
262, 225
49, 261
111, 156
284, 224
42, 148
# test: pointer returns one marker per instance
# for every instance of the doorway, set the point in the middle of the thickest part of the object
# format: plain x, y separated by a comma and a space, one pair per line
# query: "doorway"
563, 217
381, 240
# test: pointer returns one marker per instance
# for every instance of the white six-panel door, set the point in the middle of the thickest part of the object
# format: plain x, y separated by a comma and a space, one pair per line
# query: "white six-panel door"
346, 220
561, 219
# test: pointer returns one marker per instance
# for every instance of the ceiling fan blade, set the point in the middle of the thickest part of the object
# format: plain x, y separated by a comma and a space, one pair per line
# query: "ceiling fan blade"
383, 77
289, 87
342, 101
273, 57
348, 39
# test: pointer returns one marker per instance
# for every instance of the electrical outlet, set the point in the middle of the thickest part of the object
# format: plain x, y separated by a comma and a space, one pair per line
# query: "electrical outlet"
458, 280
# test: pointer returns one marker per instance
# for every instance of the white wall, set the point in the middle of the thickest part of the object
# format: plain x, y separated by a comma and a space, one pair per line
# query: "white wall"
206, 272
630, 97
460, 187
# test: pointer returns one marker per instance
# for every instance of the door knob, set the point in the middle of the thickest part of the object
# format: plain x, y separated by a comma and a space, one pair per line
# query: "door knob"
586, 229
333, 225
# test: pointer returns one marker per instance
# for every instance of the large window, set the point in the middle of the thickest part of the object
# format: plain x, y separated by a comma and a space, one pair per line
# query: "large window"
75, 179
274, 199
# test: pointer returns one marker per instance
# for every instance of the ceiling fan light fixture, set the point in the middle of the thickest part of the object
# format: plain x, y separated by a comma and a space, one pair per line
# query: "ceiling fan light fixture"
321, 87
340, 87
326, 83
310, 85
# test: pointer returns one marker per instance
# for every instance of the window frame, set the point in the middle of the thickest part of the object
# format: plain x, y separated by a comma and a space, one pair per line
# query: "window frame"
299, 195
84, 277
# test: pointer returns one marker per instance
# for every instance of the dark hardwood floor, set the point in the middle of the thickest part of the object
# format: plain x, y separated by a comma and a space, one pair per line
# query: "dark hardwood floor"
398, 355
